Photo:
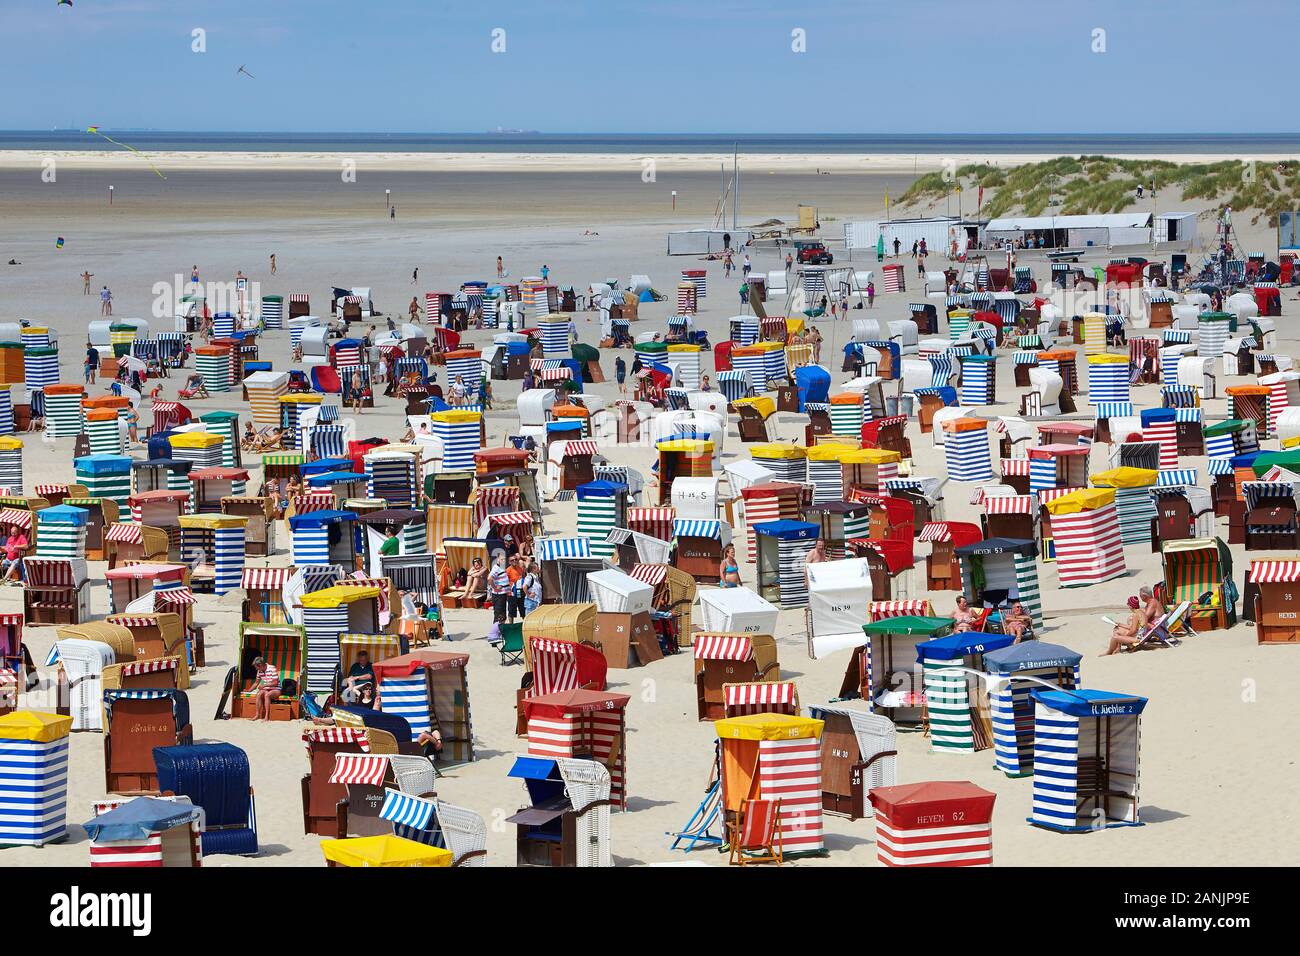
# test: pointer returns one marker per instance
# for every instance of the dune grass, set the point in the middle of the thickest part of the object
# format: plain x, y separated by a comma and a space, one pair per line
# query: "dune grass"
1076, 185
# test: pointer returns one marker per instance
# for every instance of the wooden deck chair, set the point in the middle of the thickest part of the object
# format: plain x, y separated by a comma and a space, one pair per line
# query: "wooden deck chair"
511, 643
756, 833
752, 426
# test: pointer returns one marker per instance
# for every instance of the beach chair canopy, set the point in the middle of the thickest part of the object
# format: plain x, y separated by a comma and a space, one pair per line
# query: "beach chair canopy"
140, 818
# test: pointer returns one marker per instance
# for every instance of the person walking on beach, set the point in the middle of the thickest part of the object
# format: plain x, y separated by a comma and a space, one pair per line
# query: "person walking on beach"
392, 212
92, 363
273, 263
620, 374
897, 245
871, 295
415, 275
789, 262
726, 263
744, 294
194, 275
501, 268
747, 266
414, 310
105, 301
499, 589
85, 282
915, 246
546, 272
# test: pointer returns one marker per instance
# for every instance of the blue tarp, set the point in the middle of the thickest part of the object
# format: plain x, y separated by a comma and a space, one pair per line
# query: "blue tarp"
160, 448
953, 646
139, 818
600, 489
213, 776
392, 723
1090, 703
813, 382
1028, 655
1151, 416
788, 529
998, 546
314, 518
103, 464
321, 465
330, 477
63, 514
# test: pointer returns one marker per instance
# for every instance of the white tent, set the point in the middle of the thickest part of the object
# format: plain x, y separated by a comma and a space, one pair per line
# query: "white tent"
712, 402
534, 406
744, 473
696, 498
867, 330
737, 611
83, 665
619, 593
839, 599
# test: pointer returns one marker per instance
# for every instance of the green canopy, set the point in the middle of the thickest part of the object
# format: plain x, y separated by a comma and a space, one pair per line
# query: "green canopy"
1290, 460
1229, 427
911, 624
586, 353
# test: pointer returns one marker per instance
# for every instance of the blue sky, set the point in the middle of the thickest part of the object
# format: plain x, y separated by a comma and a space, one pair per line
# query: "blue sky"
902, 66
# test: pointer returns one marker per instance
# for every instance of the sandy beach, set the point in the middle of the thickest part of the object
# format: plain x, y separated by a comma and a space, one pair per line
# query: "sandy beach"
1218, 732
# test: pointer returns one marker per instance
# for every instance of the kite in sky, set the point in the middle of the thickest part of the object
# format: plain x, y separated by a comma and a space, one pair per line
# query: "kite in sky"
95, 130
62, 3
245, 72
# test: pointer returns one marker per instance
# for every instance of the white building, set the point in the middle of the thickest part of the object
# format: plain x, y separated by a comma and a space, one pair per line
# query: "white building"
1101, 229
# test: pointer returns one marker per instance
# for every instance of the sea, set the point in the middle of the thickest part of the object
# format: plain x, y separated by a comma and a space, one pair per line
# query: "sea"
517, 141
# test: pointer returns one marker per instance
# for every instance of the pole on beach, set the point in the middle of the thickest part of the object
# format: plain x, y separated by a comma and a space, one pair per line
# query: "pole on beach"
735, 185
110, 195
674, 198
388, 198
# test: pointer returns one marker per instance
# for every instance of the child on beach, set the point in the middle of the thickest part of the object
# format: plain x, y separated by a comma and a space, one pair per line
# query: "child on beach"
871, 295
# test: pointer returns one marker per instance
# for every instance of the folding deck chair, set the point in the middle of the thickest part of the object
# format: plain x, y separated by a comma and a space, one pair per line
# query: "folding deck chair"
510, 644
755, 835
1164, 631
699, 828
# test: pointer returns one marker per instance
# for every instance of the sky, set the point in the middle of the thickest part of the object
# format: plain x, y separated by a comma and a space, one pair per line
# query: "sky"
658, 66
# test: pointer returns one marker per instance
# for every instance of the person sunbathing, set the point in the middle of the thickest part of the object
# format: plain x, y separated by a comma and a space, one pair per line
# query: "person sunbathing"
1151, 608
194, 387
1126, 634
476, 579
963, 615
266, 440
1016, 622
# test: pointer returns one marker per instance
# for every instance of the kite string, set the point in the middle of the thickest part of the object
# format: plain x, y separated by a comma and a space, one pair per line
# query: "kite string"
95, 130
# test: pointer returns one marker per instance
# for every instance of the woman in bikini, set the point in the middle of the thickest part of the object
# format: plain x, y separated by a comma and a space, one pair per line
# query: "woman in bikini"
728, 568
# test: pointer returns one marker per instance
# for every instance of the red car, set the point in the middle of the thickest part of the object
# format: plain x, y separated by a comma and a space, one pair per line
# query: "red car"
813, 253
